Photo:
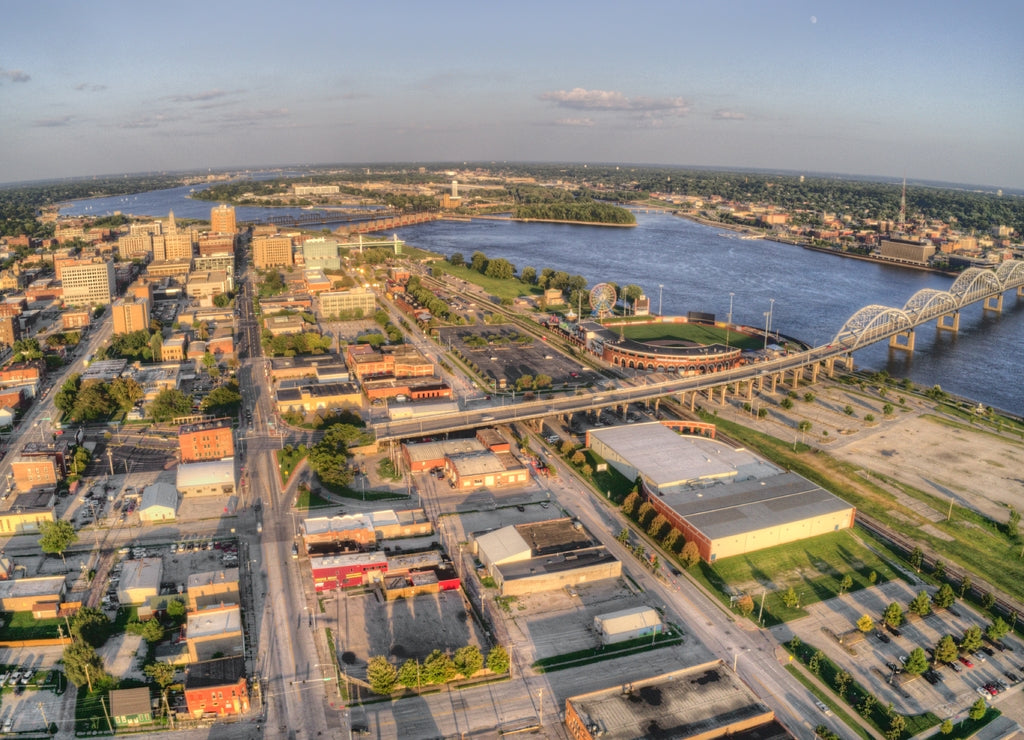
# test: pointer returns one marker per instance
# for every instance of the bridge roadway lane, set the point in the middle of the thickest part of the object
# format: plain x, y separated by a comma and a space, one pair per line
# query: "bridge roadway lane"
468, 419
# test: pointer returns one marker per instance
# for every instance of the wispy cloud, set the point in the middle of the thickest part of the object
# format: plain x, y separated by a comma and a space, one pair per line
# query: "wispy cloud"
252, 117
728, 115
52, 122
610, 100
201, 97
89, 87
575, 122
14, 75
153, 120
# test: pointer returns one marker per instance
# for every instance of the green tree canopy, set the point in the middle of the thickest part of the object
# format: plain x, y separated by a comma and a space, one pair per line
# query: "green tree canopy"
920, 605
971, 640
162, 673
93, 402
498, 660
91, 625
381, 675
946, 650
126, 392
917, 662
998, 629
893, 615
409, 674
224, 400
468, 660
169, 403
438, 668
83, 665
865, 623
944, 597
56, 537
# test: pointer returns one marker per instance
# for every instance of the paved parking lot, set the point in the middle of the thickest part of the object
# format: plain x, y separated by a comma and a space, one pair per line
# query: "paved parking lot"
867, 659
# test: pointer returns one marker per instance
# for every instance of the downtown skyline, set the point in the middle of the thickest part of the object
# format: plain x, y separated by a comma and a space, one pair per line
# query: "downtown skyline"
931, 92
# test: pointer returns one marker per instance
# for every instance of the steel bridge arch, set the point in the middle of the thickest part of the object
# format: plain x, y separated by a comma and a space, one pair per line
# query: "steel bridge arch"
930, 302
871, 320
1010, 274
974, 284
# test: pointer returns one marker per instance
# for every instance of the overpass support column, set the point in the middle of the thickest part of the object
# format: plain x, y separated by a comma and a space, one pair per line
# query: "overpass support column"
797, 372
904, 340
693, 401
830, 367
750, 389
994, 303
1020, 291
949, 322
814, 372
724, 389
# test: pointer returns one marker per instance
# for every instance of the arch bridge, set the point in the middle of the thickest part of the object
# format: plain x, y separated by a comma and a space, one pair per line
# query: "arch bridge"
875, 323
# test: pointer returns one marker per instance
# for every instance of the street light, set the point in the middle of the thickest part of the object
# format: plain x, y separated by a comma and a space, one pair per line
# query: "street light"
767, 318
771, 307
728, 325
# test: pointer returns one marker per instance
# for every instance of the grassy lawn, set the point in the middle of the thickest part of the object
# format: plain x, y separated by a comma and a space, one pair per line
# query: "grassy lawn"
699, 333
500, 288
23, 626
288, 459
366, 495
813, 567
608, 652
308, 499
978, 543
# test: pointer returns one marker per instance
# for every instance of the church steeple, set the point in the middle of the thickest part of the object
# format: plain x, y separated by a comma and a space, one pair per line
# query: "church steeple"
172, 227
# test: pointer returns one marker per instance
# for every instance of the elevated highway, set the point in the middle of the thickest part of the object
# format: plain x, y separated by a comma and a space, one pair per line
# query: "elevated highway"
868, 325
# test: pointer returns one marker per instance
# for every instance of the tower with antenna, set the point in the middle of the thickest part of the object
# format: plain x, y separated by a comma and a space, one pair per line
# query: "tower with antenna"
903, 205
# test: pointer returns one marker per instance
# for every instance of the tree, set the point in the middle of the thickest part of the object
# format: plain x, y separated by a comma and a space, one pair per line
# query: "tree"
658, 526
93, 402
790, 598
456, 259
814, 664
90, 625
578, 458
946, 649
965, 586
478, 262
1013, 522
623, 536
468, 660
83, 665
843, 680
939, 571
917, 662
897, 725
629, 506
845, 583
645, 514
56, 537
498, 660
224, 400
978, 710
893, 615
126, 392
689, 555
916, 556
997, 630
865, 623
161, 673
150, 630
944, 597
176, 610
971, 640
381, 675
921, 605
745, 604
673, 541
438, 668
528, 275
169, 403
946, 728
409, 674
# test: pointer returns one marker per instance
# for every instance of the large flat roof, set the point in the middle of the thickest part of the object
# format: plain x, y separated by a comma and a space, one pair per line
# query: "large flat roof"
144, 573
693, 702
214, 621
725, 510
206, 473
665, 458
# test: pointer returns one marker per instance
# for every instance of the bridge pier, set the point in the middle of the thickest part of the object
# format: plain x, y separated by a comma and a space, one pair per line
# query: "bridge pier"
797, 373
1020, 291
815, 368
993, 303
904, 340
949, 322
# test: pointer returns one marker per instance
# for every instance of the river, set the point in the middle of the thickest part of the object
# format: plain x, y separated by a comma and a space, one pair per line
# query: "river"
685, 266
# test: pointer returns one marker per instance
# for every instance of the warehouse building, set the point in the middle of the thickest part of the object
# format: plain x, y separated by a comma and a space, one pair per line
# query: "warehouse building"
213, 478
140, 580
23, 594
331, 572
159, 503
706, 701
727, 501
214, 588
543, 556
212, 631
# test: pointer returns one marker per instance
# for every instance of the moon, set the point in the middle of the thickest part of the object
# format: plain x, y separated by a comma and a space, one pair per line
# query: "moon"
814, 19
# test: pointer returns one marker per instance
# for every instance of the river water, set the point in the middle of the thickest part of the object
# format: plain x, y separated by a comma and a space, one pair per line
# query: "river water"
685, 266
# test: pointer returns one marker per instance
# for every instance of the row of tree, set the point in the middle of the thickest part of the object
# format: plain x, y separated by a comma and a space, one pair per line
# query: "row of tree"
437, 668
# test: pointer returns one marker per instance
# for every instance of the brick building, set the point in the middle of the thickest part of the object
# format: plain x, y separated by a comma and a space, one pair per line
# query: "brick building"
208, 440
216, 688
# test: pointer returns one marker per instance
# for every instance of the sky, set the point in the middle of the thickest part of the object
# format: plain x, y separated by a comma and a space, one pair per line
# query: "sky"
927, 90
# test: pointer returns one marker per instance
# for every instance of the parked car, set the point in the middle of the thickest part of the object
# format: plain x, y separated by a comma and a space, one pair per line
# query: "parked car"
893, 667
957, 668
893, 631
966, 661
824, 709
882, 636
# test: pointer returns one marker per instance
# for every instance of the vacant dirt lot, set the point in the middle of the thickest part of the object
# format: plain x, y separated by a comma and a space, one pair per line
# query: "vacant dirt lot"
973, 466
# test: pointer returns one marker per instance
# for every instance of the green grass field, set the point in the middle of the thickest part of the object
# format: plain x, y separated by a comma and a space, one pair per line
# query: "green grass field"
814, 568
699, 333
501, 288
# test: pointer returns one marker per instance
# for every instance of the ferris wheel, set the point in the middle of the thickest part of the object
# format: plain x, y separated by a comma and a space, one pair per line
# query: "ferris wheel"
602, 298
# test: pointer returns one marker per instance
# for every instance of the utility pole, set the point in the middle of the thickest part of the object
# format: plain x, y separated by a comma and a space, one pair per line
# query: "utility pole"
760, 614
103, 702
110, 458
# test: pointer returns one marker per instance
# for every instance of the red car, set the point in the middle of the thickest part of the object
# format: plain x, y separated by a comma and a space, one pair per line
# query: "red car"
966, 662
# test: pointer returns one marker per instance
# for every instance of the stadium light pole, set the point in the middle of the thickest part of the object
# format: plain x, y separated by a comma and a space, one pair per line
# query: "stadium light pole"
767, 318
661, 289
728, 325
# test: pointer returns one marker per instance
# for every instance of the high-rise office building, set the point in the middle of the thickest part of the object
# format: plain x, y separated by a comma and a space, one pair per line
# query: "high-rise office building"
89, 283
131, 314
222, 220
271, 251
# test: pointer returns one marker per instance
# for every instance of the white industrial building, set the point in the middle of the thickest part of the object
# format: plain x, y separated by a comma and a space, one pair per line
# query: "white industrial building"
159, 503
213, 478
628, 624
